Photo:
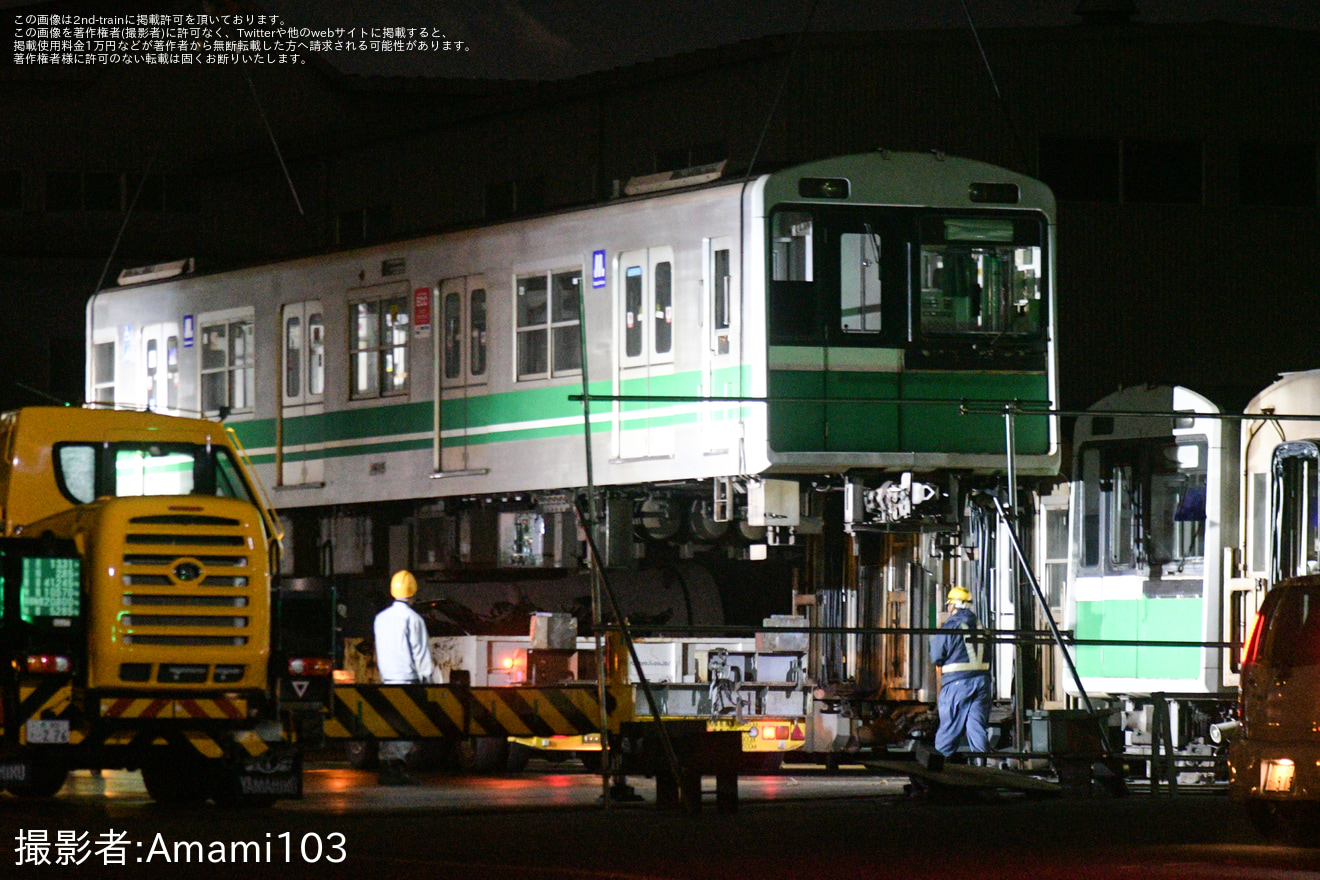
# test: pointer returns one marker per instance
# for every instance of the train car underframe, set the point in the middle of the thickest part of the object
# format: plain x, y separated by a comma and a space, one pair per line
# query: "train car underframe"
868, 592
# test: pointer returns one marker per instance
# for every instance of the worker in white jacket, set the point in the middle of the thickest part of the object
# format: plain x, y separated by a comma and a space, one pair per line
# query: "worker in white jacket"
403, 656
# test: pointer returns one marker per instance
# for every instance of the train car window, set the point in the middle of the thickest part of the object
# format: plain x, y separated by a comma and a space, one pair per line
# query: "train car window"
549, 341
396, 327
981, 276
664, 308
316, 354
791, 256
453, 335
632, 304
1091, 495
859, 282
366, 348
566, 352
1143, 503
477, 332
293, 356
379, 340
227, 365
720, 300
172, 372
533, 314
1296, 511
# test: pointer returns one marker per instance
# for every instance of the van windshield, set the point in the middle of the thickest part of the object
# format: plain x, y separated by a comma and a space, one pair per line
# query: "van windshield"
1291, 636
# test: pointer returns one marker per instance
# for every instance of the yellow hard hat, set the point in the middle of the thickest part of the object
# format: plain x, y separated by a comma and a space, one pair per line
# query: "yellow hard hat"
959, 594
403, 585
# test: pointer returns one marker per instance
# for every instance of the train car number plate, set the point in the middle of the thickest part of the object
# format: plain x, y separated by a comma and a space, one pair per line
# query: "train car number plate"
1278, 776
49, 731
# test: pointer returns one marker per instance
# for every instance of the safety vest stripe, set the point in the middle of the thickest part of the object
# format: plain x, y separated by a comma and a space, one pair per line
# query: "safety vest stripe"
975, 655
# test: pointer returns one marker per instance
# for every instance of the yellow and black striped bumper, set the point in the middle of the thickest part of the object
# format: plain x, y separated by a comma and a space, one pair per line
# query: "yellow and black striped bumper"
419, 711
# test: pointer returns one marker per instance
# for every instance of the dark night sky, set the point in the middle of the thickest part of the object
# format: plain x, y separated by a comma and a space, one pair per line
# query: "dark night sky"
556, 38
550, 39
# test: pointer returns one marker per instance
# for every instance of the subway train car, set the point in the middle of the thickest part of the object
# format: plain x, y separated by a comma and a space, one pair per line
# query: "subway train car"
777, 371
1155, 503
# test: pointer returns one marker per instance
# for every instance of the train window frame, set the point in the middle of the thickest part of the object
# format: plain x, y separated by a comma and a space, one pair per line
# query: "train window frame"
1127, 514
547, 322
987, 239
380, 341
226, 375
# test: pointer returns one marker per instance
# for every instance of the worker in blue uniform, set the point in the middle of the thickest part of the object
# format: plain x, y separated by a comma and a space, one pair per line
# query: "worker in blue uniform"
403, 656
965, 695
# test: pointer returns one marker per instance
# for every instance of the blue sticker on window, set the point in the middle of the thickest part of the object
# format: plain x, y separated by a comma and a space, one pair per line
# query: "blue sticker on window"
597, 269
187, 331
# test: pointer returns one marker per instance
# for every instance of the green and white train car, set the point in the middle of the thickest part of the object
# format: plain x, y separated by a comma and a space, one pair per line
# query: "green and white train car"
1154, 503
751, 346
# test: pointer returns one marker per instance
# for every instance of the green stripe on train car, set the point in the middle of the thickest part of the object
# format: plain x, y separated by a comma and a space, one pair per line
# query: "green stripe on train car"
524, 414
1135, 620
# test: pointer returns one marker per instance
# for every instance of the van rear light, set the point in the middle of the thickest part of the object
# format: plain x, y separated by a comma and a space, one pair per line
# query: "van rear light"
1253, 641
48, 664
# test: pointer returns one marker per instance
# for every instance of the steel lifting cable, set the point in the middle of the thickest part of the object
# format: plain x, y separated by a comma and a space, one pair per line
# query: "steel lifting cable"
994, 84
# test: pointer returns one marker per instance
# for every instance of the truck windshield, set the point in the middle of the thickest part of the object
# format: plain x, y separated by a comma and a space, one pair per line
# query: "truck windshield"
87, 471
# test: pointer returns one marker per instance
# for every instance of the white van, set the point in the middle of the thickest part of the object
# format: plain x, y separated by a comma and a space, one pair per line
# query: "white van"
1274, 760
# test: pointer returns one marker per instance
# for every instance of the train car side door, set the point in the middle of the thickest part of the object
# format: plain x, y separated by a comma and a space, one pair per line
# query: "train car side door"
160, 367
645, 339
461, 372
302, 332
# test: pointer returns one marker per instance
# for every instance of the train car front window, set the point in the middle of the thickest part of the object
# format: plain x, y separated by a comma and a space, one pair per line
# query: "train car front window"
1144, 503
980, 276
859, 282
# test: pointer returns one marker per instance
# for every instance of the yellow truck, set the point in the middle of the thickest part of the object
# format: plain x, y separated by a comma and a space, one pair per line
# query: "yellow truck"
136, 621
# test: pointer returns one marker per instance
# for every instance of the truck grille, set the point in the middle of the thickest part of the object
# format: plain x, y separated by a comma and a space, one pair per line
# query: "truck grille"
190, 584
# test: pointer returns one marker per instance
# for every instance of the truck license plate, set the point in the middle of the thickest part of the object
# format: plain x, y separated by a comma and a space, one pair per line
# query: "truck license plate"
1278, 776
55, 731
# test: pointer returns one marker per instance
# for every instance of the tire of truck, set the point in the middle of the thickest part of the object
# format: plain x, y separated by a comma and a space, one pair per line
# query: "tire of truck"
171, 778
361, 754
44, 781
482, 754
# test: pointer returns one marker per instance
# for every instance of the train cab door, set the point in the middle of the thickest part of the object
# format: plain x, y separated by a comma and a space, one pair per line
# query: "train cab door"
722, 374
645, 313
303, 394
159, 363
461, 372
